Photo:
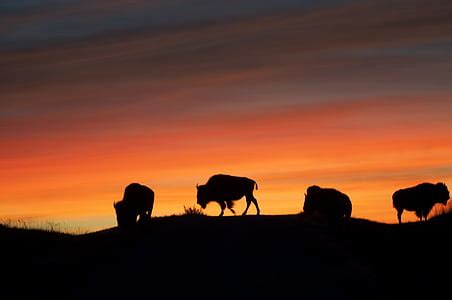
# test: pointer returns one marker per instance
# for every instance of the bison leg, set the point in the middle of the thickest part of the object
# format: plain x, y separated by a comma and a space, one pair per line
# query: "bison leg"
144, 218
223, 206
419, 214
248, 203
399, 215
229, 204
141, 219
249, 199
255, 204
424, 216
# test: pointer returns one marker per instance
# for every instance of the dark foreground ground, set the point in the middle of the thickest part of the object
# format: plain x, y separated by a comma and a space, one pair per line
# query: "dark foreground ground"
265, 257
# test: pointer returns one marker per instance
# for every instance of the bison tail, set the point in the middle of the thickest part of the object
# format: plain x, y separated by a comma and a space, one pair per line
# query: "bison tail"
255, 185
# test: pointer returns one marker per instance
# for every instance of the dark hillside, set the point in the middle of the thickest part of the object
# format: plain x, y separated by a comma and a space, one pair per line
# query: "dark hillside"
231, 257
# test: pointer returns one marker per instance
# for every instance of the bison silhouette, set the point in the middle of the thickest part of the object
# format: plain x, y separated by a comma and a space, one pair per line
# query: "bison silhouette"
420, 199
138, 200
328, 202
224, 189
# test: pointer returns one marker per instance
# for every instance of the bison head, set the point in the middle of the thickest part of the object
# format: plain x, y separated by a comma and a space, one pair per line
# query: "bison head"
313, 189
442, 193
307, 206
309, 197
125, 216
202, 196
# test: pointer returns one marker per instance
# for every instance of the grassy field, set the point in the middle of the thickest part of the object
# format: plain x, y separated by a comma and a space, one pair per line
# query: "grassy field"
252, 257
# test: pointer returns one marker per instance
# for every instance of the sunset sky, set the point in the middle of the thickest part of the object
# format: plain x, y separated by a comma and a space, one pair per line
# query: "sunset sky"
96, 94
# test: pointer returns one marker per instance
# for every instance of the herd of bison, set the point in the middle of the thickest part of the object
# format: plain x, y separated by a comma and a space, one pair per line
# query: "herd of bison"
138, 201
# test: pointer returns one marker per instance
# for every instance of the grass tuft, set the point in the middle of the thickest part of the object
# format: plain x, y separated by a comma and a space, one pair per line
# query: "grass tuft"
193, 211
440, 210
47, 226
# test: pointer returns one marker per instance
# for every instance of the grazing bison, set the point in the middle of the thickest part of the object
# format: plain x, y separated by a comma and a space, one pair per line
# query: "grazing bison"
420, 199
138, 200
224, 189
330, 203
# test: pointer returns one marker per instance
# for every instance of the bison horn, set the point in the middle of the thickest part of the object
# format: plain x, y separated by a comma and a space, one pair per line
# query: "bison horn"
197, 186
114, 204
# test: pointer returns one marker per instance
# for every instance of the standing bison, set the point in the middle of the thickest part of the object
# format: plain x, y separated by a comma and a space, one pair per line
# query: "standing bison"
330, 203
224, 189
420, 199
138, 200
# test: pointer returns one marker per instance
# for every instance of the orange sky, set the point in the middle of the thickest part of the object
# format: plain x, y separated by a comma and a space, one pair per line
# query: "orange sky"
361, 104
